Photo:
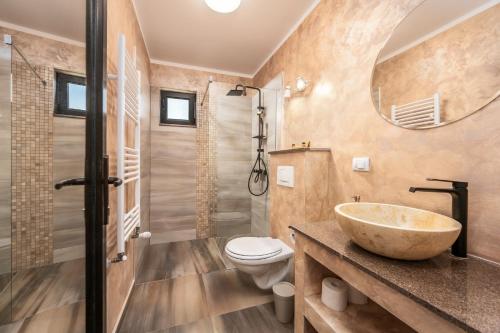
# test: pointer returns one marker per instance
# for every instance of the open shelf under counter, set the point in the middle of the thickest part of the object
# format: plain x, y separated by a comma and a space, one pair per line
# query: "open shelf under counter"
443, 294
368, 317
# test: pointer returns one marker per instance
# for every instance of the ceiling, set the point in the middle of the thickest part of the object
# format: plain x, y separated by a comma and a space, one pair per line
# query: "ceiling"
428, 19
178, 32
188, 32
61, 18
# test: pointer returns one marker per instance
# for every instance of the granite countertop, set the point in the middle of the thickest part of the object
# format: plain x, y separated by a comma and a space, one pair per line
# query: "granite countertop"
463, 291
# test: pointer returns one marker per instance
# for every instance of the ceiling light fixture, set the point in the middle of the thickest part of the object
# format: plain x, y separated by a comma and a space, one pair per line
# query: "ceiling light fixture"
223, 6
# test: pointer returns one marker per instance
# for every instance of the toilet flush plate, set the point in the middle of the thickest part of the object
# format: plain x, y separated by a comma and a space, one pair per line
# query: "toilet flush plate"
286, 175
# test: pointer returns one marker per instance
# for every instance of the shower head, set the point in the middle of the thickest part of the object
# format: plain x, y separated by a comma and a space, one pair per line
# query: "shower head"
239, 90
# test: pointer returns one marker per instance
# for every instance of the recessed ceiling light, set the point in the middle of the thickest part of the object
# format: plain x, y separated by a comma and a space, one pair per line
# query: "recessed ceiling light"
223, 6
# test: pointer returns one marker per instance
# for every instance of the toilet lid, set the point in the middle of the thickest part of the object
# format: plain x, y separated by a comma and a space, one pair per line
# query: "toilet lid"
252, 248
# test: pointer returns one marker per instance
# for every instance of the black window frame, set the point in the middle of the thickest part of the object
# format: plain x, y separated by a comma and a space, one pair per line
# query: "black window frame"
190, 96
62, 79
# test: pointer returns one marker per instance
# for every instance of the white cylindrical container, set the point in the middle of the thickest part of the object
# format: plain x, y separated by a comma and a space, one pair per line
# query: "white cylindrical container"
356, 296
334, 293
284, 293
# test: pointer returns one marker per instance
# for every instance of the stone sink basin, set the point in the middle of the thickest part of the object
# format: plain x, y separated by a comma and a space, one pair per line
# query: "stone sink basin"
397, 232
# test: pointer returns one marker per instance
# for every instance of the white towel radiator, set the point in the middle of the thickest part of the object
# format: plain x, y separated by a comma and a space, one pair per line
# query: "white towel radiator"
419, 114
128, 158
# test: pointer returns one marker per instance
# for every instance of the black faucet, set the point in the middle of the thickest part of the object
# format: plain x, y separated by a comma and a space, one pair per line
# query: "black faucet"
459, 195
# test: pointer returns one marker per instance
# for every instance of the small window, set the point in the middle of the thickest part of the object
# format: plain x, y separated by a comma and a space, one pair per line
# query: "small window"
71, 98
178, 108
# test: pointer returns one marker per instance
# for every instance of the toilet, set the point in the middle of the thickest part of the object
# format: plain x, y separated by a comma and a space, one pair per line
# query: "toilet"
268, 260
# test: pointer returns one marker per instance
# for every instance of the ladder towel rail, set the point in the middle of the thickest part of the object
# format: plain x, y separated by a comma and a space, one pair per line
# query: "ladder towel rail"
418, 114
128, 158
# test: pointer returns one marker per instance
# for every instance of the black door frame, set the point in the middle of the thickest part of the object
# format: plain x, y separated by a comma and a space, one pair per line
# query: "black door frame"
96, 206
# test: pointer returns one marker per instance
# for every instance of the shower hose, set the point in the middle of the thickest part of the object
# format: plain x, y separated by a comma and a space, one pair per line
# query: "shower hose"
259, 170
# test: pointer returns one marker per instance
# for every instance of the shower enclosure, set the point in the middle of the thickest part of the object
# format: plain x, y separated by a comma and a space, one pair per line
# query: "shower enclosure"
236, 145
52, 267
42, 231
5, 181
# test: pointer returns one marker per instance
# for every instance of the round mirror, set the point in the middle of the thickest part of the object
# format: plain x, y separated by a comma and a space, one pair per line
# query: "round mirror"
441, 64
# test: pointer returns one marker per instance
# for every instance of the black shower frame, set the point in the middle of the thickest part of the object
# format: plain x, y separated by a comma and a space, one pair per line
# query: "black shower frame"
96, 173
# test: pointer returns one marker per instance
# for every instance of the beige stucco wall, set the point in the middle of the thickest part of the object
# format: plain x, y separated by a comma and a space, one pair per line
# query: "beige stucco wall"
336, 48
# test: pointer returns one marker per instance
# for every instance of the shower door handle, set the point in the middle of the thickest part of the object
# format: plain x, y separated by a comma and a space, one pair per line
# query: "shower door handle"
69, 182
115, 181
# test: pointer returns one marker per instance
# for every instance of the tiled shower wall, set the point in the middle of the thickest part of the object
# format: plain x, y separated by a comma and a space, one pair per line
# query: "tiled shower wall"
183, 161
32, 153
5, 160
44, 224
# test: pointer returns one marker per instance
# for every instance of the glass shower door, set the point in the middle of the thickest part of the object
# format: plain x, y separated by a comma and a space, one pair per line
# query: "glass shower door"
52, 130
5, 185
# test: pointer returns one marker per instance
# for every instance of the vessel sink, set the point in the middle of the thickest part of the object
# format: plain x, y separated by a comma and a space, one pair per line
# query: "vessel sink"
397, 232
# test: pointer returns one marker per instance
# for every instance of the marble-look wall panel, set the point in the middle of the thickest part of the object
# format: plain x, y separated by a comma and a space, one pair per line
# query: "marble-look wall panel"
5, 160
69, 162
173, 173
178, 176
336, 48
120, 276
309, 200
465, 75
233, 162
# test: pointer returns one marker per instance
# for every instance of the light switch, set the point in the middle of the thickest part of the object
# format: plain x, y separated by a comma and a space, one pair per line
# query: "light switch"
285, 175
361, 164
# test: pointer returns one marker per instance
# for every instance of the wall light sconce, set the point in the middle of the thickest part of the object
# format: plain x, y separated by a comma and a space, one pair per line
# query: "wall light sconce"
288, 92
301, 84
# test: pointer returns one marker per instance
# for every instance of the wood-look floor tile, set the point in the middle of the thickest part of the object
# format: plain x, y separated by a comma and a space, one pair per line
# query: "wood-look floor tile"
43, 288
154, 264
221, 244
171, 260
206, 255
5, 301
259, 319
39, 289
179, 260
163, 304
201, 326
64, 319
11, 327
231, 290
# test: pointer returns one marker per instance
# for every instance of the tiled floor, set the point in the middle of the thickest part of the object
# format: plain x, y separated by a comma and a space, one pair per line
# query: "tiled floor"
171, 260
182, 287
190, 287
45, 299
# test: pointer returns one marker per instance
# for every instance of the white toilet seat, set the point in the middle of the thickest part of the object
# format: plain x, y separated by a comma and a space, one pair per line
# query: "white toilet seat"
253, 248
276, 250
